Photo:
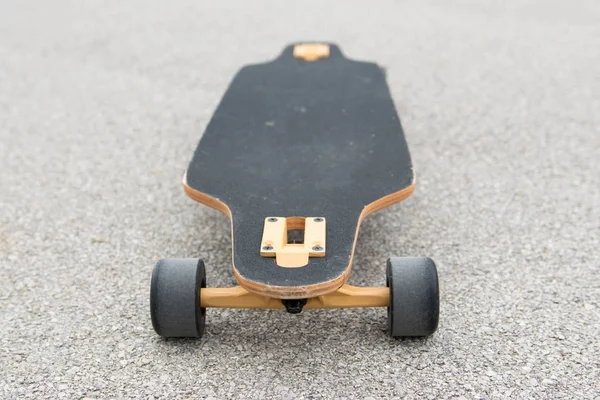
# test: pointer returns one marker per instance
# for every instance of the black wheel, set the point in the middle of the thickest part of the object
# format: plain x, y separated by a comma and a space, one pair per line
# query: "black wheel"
414, 297
175, 297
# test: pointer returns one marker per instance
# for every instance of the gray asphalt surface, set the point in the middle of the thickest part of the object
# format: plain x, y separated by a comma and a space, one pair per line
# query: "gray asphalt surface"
102, 104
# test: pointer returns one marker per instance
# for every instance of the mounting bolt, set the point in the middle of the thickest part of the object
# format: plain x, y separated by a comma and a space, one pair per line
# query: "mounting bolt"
317, 248
267, 248
318, 219
272, 219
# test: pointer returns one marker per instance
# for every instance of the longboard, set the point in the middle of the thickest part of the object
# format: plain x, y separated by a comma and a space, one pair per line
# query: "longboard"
298, 152
308, 138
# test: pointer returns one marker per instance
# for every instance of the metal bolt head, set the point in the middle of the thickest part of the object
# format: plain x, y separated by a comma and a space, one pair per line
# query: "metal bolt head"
267, 248
318, 219
272, 219
317, 248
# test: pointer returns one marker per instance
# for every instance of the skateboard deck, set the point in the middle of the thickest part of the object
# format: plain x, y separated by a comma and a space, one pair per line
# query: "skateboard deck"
309, 135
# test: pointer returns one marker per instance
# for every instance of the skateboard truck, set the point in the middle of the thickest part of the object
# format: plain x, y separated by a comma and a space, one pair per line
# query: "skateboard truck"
311, 51
275, 242
179, 287
347, 296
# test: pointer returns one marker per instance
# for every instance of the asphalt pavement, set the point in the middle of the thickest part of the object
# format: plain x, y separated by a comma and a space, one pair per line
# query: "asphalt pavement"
102, 104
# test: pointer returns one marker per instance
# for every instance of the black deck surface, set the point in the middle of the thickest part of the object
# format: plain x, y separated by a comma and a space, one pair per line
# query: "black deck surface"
298, 138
